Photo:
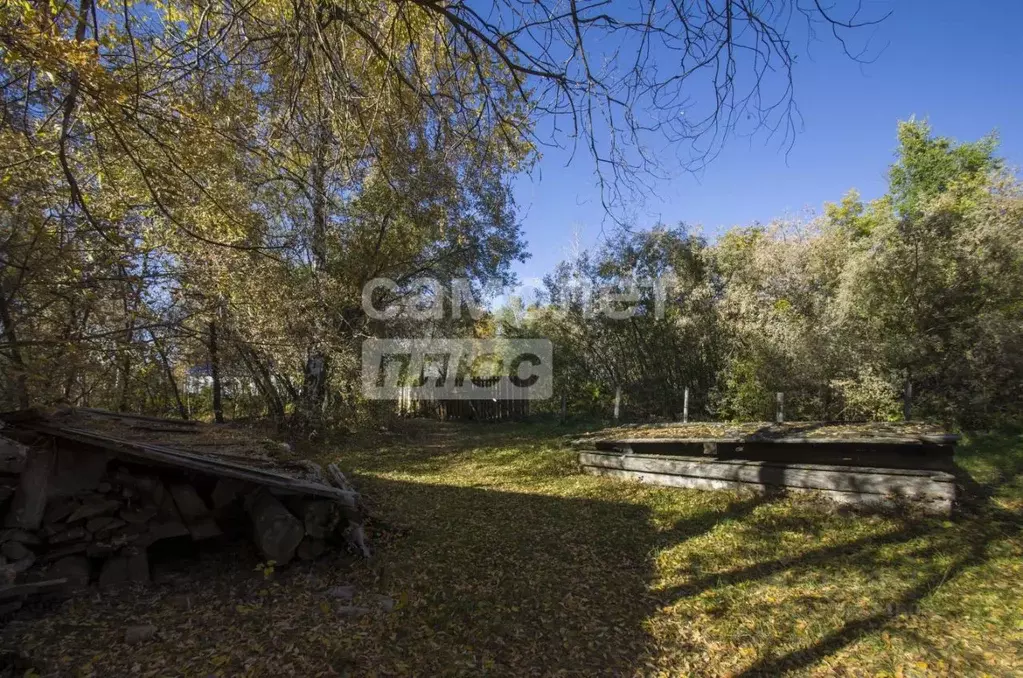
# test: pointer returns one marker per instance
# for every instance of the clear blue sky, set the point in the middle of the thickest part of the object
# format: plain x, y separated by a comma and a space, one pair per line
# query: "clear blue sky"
957, 64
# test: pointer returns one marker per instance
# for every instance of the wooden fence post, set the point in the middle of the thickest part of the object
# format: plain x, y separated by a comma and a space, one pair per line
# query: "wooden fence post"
685, 406
564, 407
907, 400
780, 415
618, 401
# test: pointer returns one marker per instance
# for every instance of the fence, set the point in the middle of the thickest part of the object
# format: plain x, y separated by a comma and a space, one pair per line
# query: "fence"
498, 408
780, 405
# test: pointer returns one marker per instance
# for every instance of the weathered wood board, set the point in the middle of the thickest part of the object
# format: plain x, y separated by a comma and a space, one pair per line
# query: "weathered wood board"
933, 491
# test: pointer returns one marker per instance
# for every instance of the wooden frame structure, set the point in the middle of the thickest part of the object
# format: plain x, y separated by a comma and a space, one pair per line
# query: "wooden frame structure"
884, 466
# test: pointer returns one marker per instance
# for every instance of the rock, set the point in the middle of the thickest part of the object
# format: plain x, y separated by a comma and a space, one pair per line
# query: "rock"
385, 603
23, 536
14, 550
133, 635
311, 549
94, 507
70, 534
346, 592
320, 518
138, 565
30, 499
73, 568
276, 531
114, 572
12, 456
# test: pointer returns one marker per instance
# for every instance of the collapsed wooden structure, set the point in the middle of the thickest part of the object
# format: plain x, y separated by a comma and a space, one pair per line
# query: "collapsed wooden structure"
85, 494
863, 464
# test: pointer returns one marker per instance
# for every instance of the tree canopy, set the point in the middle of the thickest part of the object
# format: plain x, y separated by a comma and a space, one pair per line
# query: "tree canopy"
919, 287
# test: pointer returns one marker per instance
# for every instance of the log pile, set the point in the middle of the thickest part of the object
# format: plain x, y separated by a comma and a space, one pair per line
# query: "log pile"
81, 505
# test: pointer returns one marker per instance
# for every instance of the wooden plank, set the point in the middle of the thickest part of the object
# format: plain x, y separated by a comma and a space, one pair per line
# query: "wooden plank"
910, 483
739, 440
26, 510
616, 461
24, 590
195, 462
923, 456
929, 505
190, 423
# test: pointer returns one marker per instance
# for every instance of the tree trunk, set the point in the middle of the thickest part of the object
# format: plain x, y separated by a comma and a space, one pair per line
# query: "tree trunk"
182, 410
21, 394
314, 390
263, 380
218, 405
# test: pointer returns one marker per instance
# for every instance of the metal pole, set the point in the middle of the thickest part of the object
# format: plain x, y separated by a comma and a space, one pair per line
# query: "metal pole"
618, 401
685, 406
780, 416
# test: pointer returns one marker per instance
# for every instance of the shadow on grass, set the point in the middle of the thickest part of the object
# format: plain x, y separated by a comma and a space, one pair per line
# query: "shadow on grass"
980, 523
968, 552
533, 584
539, 584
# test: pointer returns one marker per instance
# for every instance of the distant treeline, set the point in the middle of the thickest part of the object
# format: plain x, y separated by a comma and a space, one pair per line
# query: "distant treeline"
921, 289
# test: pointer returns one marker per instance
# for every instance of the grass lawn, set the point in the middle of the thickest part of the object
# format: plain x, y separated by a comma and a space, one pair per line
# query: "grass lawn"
514, 563
506, 561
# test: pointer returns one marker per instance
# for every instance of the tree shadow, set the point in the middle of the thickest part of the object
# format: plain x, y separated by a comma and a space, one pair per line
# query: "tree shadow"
541, 584
535, 584
981, 524
969, 552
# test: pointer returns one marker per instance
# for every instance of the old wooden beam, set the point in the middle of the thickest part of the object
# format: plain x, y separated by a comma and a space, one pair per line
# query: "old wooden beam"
798, 476
195, 462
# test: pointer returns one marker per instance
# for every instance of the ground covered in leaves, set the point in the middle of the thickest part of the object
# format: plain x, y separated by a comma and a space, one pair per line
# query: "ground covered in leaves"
501, 559
879, 431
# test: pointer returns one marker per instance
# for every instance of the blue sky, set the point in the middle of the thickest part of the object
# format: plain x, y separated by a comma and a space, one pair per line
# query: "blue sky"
959, 65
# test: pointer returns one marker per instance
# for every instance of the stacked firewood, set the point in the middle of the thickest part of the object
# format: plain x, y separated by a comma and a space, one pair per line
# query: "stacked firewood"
75, 516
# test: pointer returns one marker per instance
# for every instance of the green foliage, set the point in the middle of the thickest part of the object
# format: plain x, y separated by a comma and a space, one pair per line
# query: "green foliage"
922, 284
162, 188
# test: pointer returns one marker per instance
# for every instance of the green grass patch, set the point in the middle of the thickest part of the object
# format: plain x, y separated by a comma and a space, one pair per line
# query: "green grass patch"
504, 560
514, 563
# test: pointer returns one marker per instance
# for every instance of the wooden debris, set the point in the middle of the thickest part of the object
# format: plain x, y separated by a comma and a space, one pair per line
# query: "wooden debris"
95, 487
276, 531
30, 498
12, 455
25, 590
